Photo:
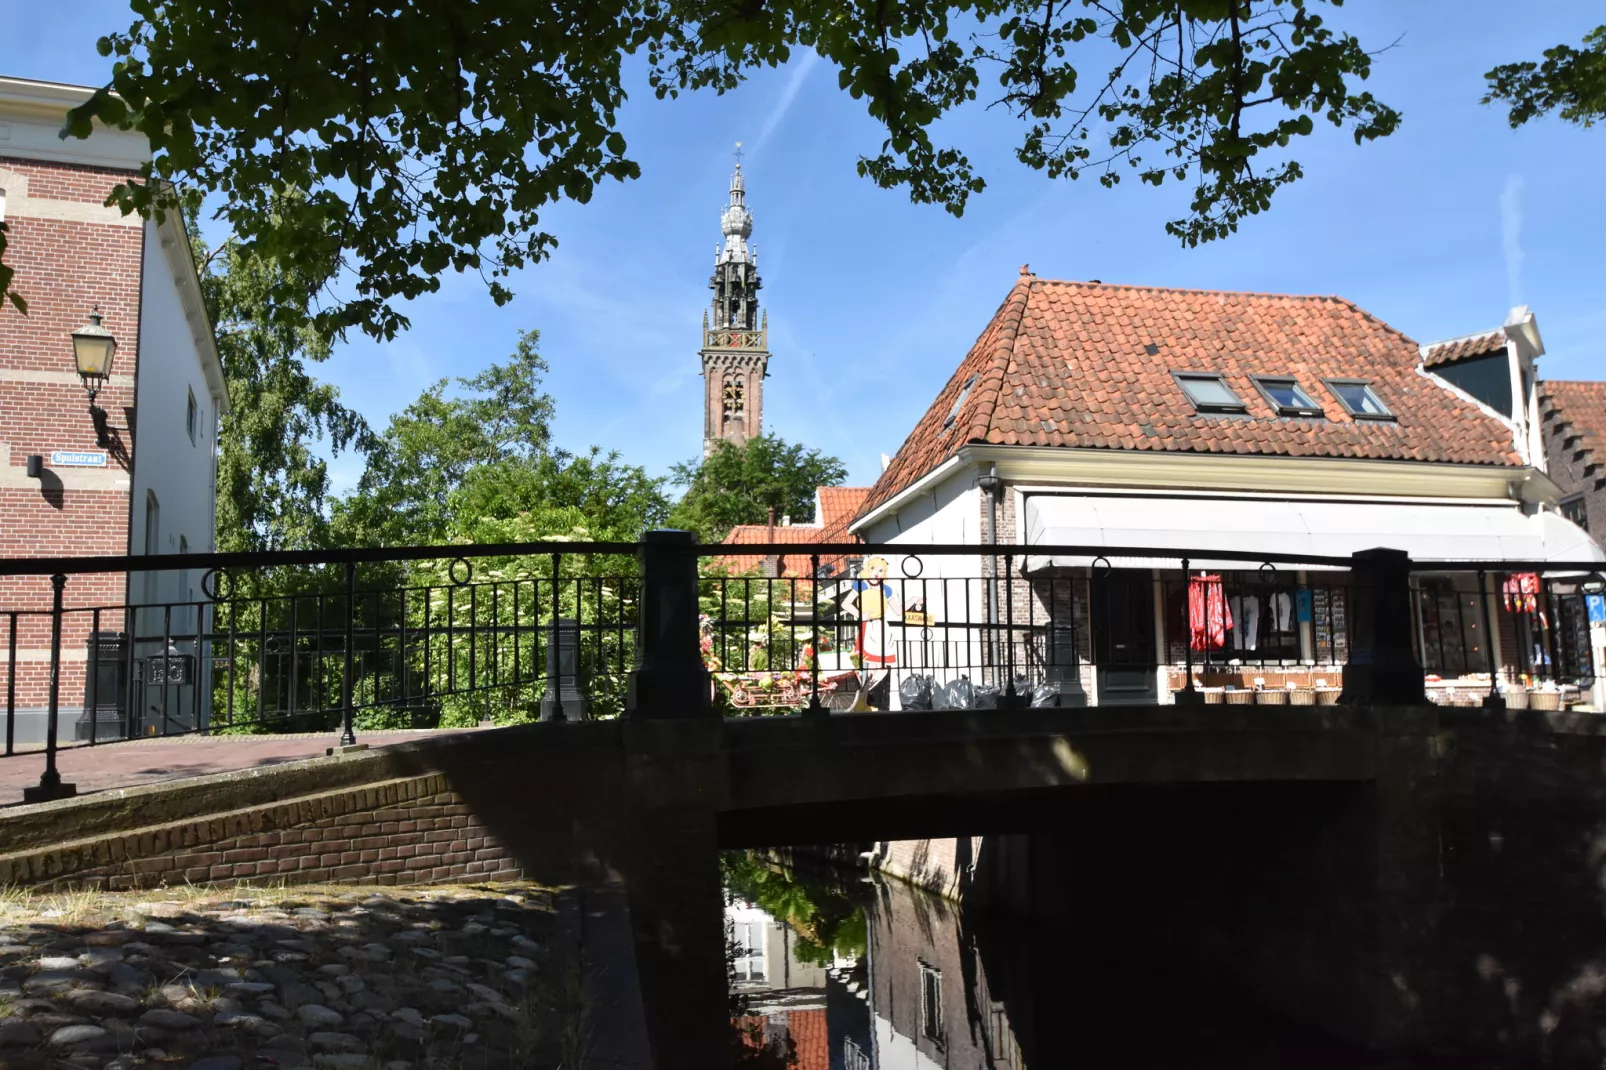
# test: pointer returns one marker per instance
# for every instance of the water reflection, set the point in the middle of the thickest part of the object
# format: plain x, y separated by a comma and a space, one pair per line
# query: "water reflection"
836, 970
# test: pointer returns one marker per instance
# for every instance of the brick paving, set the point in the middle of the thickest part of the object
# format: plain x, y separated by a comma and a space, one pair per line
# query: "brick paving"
150, 761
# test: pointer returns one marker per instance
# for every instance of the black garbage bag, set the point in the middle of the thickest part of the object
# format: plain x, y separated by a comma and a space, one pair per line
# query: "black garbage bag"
1045, 695
915, 691
987, 696
960, 694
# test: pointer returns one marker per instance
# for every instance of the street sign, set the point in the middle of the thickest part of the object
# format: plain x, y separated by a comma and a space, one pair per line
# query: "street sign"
77, 459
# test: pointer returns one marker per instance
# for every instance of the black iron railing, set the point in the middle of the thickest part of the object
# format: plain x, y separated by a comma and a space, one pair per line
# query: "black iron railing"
355, 640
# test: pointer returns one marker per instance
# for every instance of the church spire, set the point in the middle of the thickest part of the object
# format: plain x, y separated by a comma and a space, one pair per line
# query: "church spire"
735, 339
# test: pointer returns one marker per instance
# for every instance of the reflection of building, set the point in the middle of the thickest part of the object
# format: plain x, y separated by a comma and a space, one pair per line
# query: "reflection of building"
135, 473
786, 996
930, 1001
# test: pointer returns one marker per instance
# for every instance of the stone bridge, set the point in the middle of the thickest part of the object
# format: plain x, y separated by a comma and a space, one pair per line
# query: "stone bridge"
1405, 877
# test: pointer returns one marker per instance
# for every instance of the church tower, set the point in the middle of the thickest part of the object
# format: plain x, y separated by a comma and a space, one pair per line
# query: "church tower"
736, 344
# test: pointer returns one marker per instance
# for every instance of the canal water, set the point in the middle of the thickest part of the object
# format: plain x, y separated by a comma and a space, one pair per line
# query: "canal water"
839, 969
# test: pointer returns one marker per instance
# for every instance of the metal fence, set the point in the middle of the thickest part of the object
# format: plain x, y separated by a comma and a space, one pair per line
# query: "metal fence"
356, 640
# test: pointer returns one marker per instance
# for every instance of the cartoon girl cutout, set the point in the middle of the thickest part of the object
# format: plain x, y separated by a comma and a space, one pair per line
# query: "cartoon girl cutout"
876, 605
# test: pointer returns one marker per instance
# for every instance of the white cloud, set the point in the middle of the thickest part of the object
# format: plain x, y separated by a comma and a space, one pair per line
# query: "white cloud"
1511, 236
794, 84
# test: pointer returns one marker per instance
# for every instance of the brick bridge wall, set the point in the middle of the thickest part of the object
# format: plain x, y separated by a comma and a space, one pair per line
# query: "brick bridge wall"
407, 831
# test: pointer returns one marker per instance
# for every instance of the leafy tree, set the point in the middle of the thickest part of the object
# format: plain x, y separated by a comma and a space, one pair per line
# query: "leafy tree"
741, 484
431, 447
431, 136
272, 482
1570, 82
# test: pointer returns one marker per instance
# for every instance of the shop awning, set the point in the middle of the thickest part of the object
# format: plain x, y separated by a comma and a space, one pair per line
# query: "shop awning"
1428, 532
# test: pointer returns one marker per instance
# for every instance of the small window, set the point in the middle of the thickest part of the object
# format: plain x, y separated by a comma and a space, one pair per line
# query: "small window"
192, 414
1358, 399
1209, 392
1573, 509
964, 392
931, 1002
1288, 397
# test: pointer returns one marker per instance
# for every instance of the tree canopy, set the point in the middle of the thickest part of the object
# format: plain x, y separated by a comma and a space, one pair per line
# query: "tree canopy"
419, 137
272, 478
1570, 82
741, 484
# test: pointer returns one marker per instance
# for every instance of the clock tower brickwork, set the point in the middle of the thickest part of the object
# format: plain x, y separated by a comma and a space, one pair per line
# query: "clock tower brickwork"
735, 351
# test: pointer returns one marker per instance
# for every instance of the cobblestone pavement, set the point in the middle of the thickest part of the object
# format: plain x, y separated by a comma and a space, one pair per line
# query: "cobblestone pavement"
148, 761
327, 979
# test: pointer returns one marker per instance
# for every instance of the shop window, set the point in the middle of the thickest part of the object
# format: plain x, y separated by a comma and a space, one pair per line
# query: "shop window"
931, 1002
1573, 509
1209, 393
1453, 632
1288, 397
1358, 399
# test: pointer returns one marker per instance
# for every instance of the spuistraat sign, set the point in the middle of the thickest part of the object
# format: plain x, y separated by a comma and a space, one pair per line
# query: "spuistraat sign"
77, 459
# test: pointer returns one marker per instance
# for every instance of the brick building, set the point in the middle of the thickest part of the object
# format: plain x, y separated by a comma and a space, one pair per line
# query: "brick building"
140, 477
1574, 415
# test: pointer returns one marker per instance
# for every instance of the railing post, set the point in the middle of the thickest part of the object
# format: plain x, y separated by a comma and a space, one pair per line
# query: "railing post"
348, 735
563, 700
50, 784
1382, 668
1189, 695
669, 679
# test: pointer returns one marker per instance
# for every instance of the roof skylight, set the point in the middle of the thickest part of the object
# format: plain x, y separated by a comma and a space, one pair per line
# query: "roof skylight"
1287, 396
1209, 392
1358, 399
964, 392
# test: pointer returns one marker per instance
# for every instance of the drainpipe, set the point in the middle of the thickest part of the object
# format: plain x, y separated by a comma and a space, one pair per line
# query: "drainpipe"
991, 486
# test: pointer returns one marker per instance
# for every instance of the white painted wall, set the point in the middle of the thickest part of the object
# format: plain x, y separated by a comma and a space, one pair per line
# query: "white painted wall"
950, 585
179, 468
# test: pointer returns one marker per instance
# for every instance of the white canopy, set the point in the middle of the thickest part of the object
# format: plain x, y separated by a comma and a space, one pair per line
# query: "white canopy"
1428, 532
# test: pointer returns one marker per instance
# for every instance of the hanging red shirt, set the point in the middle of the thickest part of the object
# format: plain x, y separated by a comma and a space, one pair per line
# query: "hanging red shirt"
1208, 615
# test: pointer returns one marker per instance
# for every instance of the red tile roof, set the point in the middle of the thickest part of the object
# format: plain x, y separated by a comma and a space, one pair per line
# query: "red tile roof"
1069, 364
1581, 404
812, 1036
834, 509
1474, 345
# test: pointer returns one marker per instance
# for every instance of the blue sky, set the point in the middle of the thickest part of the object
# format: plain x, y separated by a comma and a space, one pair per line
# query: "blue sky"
872, 300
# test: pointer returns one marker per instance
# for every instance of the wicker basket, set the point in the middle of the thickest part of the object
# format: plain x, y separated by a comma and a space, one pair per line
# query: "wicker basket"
1302, 696
1328, 696
1544, 700
1212, 695
1272, 697
1516, 698
1239, 698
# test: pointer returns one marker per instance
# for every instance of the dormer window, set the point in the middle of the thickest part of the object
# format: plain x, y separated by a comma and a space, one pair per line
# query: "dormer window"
964, 392
1287, 396
1358, 399
1209, 392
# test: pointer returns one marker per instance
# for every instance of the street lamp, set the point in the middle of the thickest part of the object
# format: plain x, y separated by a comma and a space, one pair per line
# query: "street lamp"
93, 347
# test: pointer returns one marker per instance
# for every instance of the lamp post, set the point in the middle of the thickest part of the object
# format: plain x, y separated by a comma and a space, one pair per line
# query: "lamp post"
93, 347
